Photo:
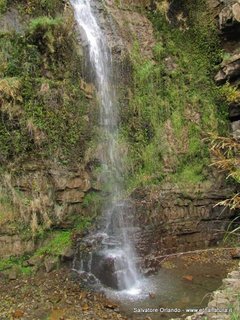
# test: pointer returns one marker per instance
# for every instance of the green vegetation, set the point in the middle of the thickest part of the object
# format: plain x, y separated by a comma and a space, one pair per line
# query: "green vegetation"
234, 313
230, 93
93, 201
174, 104
44, 111
40, 7
82, 223
60, 240
17, 263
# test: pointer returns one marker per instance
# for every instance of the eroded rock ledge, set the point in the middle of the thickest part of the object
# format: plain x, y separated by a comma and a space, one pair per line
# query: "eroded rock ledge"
173, 221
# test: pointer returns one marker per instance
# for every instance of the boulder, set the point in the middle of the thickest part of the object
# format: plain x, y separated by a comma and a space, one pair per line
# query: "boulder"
229, 71
229, 16
103, 268
213, 3
51, 263
13, 273
236, 11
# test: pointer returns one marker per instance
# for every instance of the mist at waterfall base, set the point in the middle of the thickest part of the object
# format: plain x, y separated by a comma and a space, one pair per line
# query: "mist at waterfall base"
109, 255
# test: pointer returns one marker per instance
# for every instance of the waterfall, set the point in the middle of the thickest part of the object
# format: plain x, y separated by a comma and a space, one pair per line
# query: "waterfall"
112, 261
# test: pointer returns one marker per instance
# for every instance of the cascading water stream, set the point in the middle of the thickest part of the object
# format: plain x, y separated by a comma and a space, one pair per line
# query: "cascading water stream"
113, 262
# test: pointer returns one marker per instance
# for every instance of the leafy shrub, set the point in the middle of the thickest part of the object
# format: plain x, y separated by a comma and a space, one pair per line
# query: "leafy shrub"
46, 33
230, 93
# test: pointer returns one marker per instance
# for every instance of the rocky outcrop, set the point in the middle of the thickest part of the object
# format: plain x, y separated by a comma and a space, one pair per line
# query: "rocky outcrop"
42, 195
229, 70
132, 26
171, 221
12, 21
14, 245
229, 19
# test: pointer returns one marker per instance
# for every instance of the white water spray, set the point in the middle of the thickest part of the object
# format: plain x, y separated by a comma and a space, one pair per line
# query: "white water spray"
114, 261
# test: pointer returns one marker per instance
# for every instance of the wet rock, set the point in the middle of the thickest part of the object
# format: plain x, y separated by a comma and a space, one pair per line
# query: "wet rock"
130, 20
103, 268
51, 263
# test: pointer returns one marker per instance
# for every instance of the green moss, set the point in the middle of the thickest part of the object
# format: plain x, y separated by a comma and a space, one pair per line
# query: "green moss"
174, 102
82, 223
93, 202
15, 262
45, 32
60, 240
190, 174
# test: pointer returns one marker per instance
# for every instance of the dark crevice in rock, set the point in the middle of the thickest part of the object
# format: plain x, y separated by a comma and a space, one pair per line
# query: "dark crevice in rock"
234, 118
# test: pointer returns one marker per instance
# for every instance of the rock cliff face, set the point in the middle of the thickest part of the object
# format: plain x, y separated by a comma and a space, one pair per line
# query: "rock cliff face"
228, 18
44, 108
170, 221
50, 190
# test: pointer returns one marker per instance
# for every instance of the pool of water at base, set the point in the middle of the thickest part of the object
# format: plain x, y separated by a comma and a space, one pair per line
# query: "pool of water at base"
178, 286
